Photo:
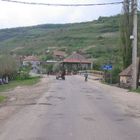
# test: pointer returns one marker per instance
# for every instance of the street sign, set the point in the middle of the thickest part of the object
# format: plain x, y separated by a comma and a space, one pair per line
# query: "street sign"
107, 67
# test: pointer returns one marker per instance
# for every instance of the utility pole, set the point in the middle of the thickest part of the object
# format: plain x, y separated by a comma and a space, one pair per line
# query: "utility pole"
134, 47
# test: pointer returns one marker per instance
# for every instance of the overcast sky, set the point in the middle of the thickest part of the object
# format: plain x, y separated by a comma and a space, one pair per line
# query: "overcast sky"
17, 15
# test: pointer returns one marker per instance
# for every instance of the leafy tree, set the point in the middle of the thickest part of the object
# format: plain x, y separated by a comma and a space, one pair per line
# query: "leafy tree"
47, 57
56, 67
126, 31
23, 73
49, 68
8, 66
115, 72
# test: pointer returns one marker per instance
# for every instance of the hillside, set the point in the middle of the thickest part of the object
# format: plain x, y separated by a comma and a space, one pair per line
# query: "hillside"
36, 39
98, 39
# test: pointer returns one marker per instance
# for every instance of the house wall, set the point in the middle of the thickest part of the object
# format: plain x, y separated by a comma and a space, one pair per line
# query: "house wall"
26, 63
34, 65
125, 81
76, 66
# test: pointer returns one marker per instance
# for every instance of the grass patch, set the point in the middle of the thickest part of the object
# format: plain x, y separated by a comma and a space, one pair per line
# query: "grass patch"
135, 90
2, 98
13, 84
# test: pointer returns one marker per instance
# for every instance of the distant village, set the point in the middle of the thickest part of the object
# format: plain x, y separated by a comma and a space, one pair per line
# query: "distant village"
33, 65
59, 60
71, 63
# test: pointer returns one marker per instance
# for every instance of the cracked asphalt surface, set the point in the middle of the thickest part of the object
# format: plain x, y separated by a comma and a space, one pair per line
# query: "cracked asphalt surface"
72, 109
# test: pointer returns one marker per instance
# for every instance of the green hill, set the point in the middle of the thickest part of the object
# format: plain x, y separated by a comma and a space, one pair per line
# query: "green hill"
36, 39
97, 39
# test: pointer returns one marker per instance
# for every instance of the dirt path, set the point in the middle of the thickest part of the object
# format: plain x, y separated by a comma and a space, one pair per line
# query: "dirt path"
22, 96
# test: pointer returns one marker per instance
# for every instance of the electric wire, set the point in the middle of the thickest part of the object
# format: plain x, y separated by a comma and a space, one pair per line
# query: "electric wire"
71, 5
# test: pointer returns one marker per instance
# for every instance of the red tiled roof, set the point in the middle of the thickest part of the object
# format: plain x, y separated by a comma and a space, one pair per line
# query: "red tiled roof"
59, 53
127, 71
76, 58
31, 58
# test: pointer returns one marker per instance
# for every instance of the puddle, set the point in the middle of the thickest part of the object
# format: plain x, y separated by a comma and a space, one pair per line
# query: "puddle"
49, 97
61, 98
26, 104
119, 120
89, 91
30, 104
89, 95
59, 88
52, 91
59, 114
89, 119
132, 115
35, 138
99, 98
45, 104
55, 97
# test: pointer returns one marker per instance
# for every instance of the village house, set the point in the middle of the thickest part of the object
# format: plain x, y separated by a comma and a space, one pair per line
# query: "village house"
59, 55
33, 61
126, 77
76, 62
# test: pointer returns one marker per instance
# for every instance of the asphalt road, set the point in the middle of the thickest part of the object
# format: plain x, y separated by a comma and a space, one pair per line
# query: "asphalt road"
71, 110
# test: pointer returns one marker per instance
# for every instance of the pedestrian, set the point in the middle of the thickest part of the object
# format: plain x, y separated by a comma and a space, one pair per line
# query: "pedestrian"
63, 74
86, 76
48, 73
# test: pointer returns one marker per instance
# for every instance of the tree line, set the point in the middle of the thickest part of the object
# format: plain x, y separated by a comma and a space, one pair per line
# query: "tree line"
126, 30
8, 68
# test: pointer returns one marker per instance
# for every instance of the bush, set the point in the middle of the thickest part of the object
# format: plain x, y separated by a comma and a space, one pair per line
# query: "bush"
49, 68
100, 38
56, 67
115, 75
23, 75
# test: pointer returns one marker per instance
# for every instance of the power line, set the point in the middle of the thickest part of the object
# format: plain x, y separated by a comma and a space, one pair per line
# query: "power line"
70, 5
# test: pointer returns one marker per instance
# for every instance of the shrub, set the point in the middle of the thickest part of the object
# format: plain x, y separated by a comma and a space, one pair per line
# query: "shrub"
115, 75
23, 75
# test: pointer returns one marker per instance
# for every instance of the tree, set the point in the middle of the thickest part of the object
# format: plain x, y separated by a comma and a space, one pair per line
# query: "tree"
56, 67
8, 65
126, 28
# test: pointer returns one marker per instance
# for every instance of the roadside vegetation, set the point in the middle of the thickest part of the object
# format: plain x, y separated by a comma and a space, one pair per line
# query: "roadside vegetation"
135, 90
103, 41
12, 74
2, 98
15, 83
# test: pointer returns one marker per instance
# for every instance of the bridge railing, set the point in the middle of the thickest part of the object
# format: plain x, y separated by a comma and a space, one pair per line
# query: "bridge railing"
94, 73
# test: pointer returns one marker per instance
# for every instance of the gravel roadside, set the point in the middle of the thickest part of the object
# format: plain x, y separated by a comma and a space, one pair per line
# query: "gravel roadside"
22, 96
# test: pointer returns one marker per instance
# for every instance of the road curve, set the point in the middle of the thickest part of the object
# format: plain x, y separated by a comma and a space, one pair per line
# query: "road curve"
71, 109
